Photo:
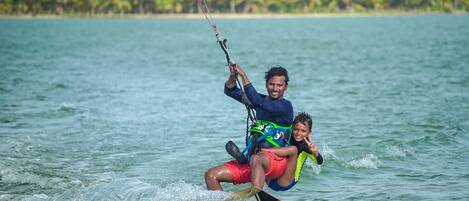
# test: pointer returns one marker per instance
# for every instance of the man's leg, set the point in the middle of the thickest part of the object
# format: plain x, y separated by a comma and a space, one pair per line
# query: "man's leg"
217, 174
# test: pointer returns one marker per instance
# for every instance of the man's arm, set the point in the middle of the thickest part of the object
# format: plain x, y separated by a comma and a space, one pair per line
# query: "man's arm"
242, 74
231, 82
231, 89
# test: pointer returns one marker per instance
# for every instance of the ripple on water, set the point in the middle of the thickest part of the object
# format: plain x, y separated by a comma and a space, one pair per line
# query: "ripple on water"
40, 97
423, 176
7, 120
67, 107
10, 176
4, 90
60, 86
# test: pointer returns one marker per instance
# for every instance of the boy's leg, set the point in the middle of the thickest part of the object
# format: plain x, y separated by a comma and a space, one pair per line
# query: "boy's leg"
259, 164
289, 173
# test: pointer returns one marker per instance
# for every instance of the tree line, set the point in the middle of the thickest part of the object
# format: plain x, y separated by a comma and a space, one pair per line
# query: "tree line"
93, 7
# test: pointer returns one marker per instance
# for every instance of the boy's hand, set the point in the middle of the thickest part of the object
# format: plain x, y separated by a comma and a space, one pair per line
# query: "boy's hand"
312, 146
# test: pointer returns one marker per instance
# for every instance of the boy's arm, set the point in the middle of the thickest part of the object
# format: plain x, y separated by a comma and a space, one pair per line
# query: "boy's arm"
282, 151
317, 159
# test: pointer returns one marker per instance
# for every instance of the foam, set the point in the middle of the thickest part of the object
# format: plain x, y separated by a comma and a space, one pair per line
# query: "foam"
6, 197
66, 107
327, 152
395, 152
370, 161
314, 167
134, 189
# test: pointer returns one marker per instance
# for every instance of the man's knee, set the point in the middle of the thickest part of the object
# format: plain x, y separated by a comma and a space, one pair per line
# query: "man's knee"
210, 174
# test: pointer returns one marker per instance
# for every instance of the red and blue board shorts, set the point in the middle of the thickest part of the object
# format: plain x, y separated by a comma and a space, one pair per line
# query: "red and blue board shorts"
241, 173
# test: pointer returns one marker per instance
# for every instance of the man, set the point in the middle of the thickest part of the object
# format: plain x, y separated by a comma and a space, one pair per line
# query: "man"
270, 108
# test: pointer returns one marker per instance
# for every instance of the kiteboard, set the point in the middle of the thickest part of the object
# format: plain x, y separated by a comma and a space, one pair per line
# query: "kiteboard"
263, 196
251, 194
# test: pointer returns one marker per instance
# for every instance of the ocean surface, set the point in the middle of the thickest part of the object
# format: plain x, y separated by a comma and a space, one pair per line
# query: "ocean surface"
123, 109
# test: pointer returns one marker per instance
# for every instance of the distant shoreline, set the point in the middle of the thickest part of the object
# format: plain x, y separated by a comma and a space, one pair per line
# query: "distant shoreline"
230, 16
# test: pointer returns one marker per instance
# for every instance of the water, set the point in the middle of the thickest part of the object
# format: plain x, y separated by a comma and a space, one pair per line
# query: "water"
135, 110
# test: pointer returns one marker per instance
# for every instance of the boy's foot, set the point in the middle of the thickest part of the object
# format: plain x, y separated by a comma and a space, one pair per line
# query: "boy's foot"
233, 150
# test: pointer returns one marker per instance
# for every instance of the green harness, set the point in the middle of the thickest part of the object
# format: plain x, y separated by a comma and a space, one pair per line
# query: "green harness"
277, 135
274, 134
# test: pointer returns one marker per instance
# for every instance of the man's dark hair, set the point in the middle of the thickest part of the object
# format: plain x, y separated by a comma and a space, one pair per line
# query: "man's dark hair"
304, 118
277, 71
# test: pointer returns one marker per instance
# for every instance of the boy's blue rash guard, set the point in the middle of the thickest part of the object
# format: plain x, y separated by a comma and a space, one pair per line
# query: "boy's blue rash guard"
279, 111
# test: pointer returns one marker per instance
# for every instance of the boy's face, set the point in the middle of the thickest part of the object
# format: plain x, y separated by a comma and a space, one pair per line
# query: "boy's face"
301, 131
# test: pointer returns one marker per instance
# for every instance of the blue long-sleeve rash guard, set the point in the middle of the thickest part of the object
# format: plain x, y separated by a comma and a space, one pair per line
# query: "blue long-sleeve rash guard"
279, 111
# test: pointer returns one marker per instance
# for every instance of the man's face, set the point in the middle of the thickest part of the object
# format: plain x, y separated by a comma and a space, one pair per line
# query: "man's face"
276, 86
300, 131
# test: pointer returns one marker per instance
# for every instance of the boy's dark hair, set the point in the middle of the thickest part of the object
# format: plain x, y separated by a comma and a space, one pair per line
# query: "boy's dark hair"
303, 118
277, 71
